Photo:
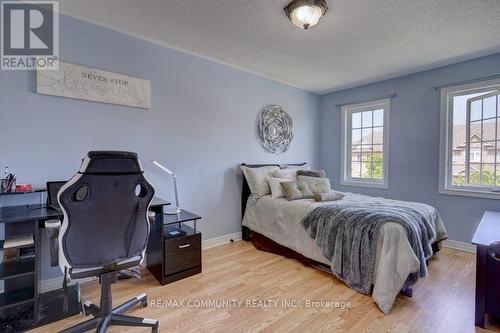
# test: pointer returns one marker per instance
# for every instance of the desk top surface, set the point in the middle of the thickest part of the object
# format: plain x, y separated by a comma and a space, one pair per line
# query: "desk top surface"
488, 230
21, 213
183, 216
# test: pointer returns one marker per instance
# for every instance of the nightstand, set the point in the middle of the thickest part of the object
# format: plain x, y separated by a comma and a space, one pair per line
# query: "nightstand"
174, 258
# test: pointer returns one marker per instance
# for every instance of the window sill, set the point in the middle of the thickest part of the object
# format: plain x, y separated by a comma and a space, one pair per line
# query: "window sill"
471, 193
362, 183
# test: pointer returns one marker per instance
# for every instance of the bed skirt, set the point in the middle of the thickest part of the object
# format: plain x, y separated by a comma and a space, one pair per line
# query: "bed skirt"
263, 243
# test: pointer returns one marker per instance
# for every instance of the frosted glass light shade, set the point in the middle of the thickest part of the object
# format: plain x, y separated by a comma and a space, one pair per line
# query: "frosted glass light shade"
306, 13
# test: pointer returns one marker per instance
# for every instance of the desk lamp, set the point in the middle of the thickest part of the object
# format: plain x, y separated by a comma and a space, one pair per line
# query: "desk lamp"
176, 209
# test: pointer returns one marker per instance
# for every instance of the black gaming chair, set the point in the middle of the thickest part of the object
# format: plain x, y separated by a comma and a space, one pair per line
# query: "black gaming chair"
105, 229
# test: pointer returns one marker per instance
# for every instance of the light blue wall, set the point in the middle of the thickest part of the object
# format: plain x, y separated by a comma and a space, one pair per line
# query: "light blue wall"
414, 141
201, 125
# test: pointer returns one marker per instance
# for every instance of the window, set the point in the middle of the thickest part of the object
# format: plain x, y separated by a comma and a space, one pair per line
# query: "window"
475, 155
365, 137
470, 140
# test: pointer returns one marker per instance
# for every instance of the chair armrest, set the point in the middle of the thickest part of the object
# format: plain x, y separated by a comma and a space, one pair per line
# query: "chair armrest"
52, 228
151, 217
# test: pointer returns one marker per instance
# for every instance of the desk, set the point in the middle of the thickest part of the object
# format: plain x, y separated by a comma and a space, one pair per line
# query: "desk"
22, 213
487, 275
22, 280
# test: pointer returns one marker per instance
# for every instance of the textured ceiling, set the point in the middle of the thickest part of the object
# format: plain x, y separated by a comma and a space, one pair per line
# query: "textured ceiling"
358, 41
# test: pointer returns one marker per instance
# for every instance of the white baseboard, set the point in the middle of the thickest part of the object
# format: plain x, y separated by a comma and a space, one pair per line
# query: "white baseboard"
208, 243
461, 246
56, 283
449, 243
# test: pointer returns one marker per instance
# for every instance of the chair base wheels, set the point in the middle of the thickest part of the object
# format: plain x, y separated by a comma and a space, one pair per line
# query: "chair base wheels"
102, 321
144, 303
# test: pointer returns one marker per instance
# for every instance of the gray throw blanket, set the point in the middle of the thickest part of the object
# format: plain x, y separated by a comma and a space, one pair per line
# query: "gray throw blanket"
347, 235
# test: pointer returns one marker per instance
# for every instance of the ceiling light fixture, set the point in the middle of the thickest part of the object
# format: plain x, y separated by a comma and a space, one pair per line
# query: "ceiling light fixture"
306, 13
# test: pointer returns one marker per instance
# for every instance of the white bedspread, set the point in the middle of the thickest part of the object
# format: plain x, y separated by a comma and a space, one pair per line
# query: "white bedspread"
279, 220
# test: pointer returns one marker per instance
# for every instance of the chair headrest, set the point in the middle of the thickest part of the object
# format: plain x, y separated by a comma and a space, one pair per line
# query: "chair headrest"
111, 163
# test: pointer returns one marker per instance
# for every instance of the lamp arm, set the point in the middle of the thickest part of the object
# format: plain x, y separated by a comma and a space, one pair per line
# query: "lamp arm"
176, 193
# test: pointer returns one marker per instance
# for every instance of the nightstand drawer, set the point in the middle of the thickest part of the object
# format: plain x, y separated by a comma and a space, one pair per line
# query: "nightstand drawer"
182, 253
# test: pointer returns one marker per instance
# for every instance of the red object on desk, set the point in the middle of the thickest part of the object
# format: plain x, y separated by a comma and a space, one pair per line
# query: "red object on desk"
23, 187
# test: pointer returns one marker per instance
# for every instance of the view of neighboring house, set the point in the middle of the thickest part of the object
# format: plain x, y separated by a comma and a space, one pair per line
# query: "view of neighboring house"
367, 155
484, 154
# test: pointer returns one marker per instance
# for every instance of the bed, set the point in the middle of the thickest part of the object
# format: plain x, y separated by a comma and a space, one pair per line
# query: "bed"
274, 225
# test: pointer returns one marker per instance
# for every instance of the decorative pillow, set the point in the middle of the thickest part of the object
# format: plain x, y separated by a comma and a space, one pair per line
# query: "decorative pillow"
257, 179
292, 191
306, 191
296, 190
318, 174
332, 196
316, 185
276, 189
289, 174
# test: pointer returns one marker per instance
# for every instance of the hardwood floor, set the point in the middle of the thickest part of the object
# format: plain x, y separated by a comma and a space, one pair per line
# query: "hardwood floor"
442, 302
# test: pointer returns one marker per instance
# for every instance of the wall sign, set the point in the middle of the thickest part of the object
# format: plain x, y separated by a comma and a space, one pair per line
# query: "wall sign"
80, 82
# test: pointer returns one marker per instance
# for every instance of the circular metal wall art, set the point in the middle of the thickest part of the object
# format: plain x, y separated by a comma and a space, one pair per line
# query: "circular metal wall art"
275, 129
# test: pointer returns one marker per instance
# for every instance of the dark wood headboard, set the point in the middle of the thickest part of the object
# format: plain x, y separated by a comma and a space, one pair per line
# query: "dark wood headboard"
245, 190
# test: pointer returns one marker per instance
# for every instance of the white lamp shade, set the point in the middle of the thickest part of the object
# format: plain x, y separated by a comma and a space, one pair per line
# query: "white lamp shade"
306, 13
306, 16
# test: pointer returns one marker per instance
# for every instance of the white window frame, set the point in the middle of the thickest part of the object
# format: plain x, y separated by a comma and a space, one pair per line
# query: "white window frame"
446, 142
346, 148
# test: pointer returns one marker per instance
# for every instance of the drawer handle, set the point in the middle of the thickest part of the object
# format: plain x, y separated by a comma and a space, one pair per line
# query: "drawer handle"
184, 246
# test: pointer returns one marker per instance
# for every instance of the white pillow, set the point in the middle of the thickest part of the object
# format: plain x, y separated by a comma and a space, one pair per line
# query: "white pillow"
276, 188
290, 174
257, 179
316, 185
